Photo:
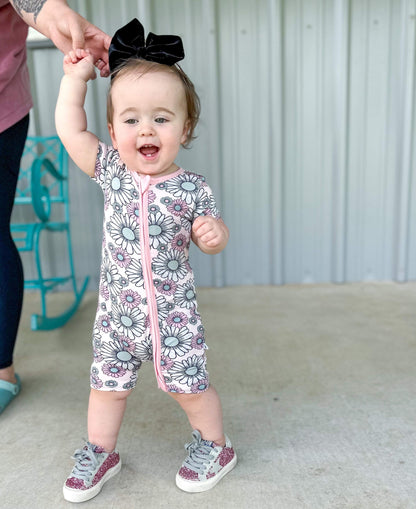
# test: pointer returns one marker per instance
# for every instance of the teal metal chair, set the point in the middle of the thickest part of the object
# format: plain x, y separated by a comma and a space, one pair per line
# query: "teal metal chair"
43, 188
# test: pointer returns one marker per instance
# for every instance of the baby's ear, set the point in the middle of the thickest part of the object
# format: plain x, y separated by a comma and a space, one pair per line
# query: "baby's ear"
185, 133
112, 134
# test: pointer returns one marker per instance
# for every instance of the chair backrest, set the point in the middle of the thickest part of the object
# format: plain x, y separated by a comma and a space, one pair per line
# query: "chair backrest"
43, 176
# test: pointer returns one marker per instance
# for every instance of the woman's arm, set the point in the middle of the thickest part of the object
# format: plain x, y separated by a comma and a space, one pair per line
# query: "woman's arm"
65, 28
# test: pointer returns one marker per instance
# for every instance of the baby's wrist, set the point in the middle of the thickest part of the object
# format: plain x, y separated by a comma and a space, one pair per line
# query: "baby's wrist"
75, 77
75, 82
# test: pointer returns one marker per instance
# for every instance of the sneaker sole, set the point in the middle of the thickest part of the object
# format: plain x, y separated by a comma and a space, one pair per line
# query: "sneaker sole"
197, 487
76, 496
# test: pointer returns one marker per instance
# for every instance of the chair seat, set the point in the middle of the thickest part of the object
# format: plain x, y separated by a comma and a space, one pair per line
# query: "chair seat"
24, 234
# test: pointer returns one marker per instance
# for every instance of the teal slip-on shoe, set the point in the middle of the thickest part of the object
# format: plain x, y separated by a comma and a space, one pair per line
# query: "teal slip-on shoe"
8, 392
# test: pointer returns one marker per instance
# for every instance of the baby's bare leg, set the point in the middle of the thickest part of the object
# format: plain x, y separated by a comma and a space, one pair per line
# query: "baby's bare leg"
204, 413
105, 415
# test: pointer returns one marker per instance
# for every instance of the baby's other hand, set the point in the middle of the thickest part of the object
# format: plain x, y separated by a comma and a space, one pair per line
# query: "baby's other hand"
79, 63
210, 234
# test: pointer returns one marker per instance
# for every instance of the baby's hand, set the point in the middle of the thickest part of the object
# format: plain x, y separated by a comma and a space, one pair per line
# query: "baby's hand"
79, 63
210, 234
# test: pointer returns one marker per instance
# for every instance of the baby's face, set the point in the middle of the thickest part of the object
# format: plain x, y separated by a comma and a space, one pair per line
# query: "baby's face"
150, 121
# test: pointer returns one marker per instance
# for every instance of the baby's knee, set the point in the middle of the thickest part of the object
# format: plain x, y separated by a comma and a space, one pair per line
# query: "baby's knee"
186, 399
110, 395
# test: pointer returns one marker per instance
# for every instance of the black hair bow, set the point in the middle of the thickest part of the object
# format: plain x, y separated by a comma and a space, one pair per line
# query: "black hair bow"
128, 42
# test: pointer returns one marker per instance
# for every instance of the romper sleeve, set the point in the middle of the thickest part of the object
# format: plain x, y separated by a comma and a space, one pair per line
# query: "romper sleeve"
205, 204
105, 154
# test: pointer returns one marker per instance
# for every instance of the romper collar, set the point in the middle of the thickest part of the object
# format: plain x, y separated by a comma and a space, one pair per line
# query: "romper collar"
149, 180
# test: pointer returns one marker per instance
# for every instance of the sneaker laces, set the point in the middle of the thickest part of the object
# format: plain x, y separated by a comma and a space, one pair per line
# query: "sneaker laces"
86, 462
199, 453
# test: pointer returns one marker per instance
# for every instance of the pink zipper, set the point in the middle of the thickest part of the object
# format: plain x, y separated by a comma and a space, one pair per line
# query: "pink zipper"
143, 184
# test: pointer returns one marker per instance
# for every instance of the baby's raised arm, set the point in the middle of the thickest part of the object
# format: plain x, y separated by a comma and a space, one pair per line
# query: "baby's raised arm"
70, 116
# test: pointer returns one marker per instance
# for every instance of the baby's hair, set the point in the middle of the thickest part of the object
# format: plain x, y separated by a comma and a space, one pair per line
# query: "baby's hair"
138, 66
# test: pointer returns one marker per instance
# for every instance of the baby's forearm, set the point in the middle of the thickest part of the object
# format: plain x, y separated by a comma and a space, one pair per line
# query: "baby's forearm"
71, 123
70, 116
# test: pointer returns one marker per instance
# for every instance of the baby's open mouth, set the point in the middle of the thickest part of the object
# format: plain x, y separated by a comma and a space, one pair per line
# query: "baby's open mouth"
149, 150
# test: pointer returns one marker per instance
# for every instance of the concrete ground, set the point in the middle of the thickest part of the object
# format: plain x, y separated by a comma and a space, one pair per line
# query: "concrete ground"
318, 385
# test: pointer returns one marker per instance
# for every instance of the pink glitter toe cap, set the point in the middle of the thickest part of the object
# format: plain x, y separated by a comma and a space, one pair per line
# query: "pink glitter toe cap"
79, 484
188, 474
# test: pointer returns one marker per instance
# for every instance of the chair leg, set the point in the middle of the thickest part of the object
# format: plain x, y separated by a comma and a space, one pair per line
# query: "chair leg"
43, 321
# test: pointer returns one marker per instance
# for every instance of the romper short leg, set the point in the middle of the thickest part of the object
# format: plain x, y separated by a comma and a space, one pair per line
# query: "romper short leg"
183, 357
118, 358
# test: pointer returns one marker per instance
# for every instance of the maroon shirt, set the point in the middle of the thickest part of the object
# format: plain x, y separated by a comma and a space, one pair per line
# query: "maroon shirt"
15, 97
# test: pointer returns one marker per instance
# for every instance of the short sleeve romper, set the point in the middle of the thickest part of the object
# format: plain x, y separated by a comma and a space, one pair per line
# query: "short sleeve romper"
147, 306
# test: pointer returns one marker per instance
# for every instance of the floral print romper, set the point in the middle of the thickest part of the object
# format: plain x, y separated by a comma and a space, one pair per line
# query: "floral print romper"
147, 306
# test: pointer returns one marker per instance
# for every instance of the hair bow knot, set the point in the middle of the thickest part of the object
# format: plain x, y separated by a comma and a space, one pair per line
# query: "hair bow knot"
128, 42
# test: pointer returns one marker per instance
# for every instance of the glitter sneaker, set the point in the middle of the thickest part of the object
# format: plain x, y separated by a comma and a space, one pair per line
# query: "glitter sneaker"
92, 469
206, 464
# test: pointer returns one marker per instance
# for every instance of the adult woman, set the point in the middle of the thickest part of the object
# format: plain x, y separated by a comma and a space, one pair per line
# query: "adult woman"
67, 30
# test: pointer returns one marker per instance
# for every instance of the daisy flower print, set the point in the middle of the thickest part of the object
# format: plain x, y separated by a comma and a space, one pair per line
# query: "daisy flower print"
125, 232
146, 280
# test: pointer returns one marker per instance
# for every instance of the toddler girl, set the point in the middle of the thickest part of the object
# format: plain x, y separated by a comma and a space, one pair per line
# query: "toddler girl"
152, 208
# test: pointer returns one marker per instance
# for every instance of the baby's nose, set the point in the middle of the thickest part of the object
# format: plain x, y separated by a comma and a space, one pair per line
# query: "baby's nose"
146, 129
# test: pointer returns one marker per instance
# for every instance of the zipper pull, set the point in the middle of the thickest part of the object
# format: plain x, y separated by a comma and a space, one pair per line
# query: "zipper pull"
144, 183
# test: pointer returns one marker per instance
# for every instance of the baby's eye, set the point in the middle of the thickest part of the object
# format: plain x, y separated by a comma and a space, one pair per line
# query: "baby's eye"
130, 121
161, 120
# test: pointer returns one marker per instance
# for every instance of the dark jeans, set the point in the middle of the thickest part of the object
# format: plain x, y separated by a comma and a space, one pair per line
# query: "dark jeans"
12, 142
